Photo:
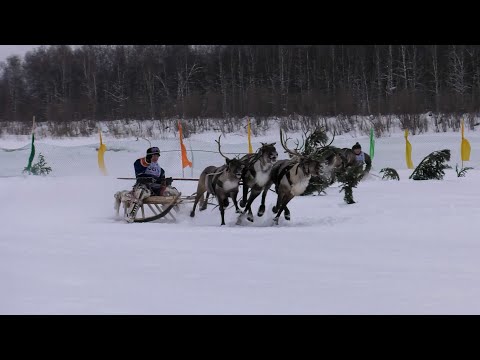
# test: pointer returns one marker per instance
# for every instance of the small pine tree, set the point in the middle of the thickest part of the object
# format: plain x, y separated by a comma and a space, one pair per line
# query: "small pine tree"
389, 174
463, 171
350, 178
314, 146
318, 184
314, 141
39, 168
432, 166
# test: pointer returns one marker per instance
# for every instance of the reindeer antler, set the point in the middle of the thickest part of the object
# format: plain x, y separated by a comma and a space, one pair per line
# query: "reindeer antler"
220, 151
284, 145
299, 147
333, 138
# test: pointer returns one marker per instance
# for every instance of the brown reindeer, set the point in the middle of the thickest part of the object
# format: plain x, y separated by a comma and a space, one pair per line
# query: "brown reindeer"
255, 176
291, 177
222, 182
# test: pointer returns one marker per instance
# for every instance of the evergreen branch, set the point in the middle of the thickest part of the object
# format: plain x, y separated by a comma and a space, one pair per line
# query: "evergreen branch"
463, 171
389, 174
432, 166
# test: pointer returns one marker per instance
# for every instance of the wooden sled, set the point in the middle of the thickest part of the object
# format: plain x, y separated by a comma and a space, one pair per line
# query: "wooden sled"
155, 207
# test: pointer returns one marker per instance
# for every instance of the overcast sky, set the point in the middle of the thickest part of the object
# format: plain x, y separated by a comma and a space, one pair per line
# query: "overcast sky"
7, 50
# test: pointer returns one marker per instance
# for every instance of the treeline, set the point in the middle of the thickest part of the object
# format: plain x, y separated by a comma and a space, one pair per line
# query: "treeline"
106, 82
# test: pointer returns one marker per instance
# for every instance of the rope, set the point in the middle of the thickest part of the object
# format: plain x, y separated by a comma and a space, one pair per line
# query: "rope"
209, 151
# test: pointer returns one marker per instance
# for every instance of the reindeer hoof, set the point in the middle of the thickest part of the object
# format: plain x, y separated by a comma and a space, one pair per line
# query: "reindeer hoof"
275, 221
250, 218
242, 203
287, 217
261, 210
192, 214
274, 209
238, 211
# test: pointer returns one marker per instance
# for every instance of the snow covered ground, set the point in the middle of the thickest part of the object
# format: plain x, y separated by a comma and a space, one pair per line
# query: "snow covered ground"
405, 247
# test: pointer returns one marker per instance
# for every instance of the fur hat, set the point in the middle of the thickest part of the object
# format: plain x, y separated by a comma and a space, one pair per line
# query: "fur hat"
356, 146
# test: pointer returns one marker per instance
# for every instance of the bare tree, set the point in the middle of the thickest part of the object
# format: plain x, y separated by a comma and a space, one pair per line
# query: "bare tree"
13, 77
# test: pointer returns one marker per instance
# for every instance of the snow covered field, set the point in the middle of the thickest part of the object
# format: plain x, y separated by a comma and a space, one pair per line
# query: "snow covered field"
405, 247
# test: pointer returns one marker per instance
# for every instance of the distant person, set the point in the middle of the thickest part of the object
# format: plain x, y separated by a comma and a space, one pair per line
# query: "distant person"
362, 158
149, 173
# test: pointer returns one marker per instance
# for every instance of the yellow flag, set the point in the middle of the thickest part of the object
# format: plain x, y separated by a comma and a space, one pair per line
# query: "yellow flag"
101, 151
408, 151
465, 147
250, 149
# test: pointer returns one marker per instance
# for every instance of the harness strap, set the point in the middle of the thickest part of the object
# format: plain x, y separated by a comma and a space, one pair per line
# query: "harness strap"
285, 172
251, 162
216, 181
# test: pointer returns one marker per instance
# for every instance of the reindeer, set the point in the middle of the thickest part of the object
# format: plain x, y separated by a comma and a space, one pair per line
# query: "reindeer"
222, 182
291, 177
255, 176
340, 159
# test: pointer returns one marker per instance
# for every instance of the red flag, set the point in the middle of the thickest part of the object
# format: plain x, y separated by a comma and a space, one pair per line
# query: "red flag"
185, 161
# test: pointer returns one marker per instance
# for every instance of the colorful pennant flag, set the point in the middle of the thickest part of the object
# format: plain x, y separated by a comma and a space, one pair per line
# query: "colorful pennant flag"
32, 151
101, 152
372, 143
249, 132
185, 161
408, 151
465, 147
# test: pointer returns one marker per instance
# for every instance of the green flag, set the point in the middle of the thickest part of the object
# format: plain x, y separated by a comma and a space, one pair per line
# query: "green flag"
32, 153
372, 143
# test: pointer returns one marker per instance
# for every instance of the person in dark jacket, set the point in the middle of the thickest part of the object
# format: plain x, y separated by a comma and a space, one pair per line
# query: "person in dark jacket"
149, 172
362, 158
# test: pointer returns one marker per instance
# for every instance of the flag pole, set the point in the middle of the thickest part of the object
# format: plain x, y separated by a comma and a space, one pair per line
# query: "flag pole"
191, 154
461, 145
32, 148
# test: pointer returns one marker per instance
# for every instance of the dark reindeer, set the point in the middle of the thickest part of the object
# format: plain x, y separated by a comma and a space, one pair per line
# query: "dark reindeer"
222, 182
291, 177
335, 159
255, 176
340, 159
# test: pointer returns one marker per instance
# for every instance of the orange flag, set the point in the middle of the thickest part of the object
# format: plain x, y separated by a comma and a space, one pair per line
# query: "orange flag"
185, 161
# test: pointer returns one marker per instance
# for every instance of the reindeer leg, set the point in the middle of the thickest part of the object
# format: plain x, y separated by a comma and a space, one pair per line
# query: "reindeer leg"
233, 195
245, 194
266, 188
253, 195
205, 202
197, 198
222, 209
286, 199
278, 204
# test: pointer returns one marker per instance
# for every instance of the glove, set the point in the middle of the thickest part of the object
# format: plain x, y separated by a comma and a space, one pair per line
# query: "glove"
168, 181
